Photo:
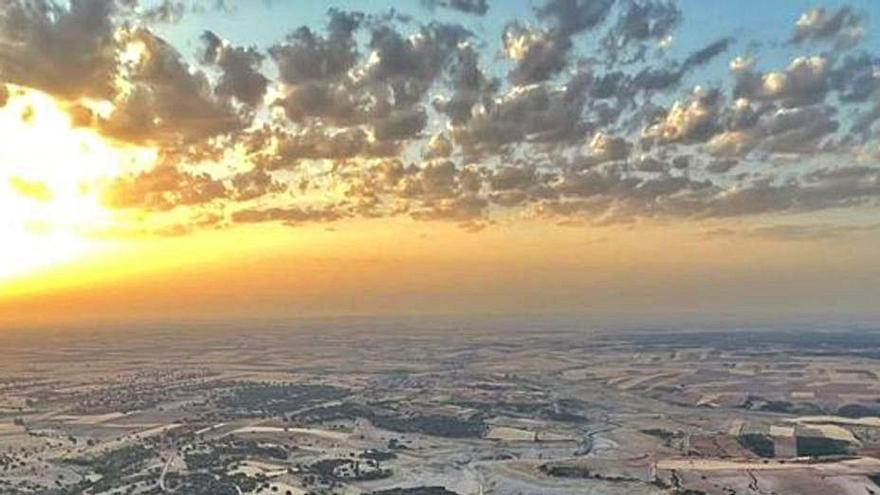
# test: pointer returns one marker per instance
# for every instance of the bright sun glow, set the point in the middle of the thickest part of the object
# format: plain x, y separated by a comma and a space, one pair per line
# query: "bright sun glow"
49, 176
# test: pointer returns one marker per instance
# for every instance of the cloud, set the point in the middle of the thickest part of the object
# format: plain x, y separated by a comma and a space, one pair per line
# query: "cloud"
439, 146
163, 188
476, 7
67, 51
857, 78
611, 194
648, 163
584, 117
240, 77
842, 26
539, 55
314, 70
603, 149
640, 22
460, 209
436, 179
822, 189
168, 103
799, 130
796, 130
811, 232
410, 65
509, 178
308, 57
732, 143
799, 232
325, 82
400, 124
804, 82
542, 53
670, 75
255, 183
537, 114
469, 85
330, 103
291, 216
867, 120
568, 17
168, 11
722, 166
694, 121
317, 143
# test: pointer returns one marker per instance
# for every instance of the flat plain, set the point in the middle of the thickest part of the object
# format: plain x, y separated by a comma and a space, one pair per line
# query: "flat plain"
410, 407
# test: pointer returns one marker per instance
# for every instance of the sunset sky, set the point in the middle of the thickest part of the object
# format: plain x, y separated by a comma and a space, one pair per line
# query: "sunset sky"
226, 159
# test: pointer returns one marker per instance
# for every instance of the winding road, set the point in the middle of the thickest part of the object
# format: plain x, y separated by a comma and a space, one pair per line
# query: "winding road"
165, 471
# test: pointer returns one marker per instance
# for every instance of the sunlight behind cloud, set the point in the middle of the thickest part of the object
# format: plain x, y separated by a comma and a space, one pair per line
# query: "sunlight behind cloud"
50, 175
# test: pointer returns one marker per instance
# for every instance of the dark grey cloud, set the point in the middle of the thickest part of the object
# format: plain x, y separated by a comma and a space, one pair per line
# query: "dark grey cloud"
305, 56
288, 215
542, 53
401, 124
326, 81
316, 143
538, 114
662, 78
539, 55
168, 104
240, 76
410, 65
436, 179
469, 85
856, 78
804, 82
799, 131
512, 177
707, 53
612, 193
827, 188
722, 166
603, 149
476, 7
459, 209
842, 26
568, 17
640, 22
647, 163
796, 130
67, 51
331, 103
315, 68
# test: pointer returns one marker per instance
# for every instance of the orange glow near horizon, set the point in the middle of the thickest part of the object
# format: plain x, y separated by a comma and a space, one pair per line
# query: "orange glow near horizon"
396, 266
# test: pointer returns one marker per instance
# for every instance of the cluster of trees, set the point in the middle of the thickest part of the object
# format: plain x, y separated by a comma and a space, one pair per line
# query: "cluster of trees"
211, 483
275, 399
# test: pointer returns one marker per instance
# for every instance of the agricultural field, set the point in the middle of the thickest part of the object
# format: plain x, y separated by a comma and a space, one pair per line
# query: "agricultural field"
356, 408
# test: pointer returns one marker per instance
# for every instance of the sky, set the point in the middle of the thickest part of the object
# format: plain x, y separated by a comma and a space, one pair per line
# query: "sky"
234, 160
